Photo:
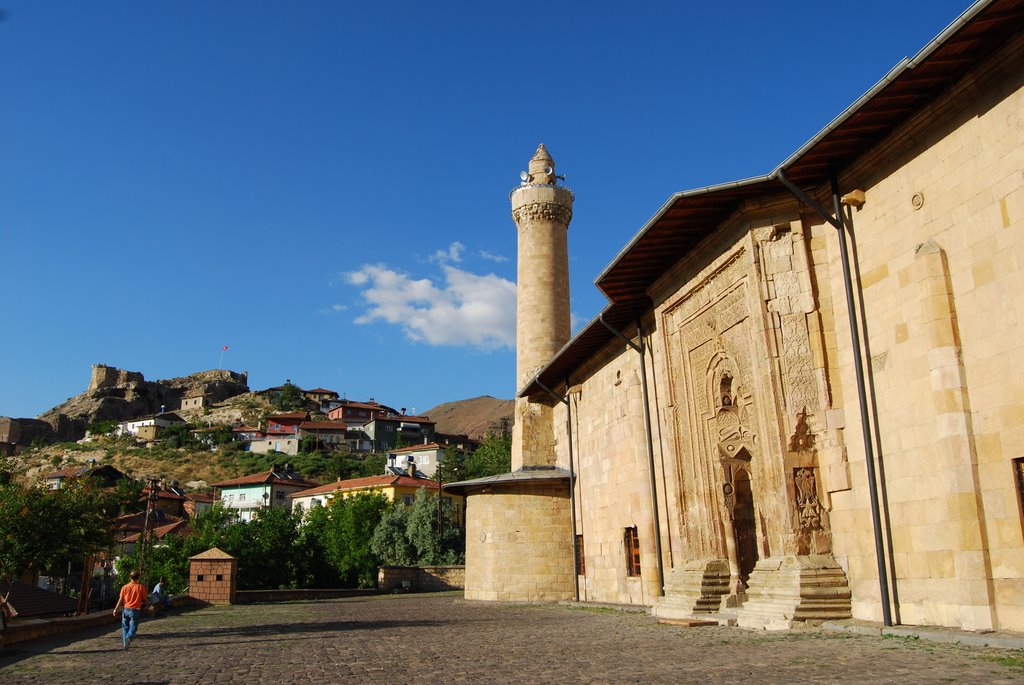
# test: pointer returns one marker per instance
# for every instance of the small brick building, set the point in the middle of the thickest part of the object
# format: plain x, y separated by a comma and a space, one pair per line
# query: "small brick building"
213, 577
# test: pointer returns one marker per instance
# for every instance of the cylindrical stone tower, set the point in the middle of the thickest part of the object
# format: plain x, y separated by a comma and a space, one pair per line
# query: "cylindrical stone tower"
542, 211
519, 544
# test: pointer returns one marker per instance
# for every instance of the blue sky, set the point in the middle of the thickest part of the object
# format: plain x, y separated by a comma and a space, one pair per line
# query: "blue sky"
323, 186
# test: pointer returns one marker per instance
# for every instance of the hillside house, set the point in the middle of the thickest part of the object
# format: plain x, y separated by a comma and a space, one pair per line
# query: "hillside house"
397, 488
359, 413
281, 434
425, 458
195, 399
246, 495
329, 433
107, 476
147, 427
383, 432
321, 396
198, 502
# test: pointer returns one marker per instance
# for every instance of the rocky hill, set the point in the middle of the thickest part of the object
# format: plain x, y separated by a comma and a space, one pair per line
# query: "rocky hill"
473, 417
117, 395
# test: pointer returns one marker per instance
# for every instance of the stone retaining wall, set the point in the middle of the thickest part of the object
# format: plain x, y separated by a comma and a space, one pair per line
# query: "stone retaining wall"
30, 629
254, 596
421, 578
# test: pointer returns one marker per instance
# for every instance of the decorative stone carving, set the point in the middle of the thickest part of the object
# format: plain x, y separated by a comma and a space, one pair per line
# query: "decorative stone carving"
728, 273
542, 211
798, 375
809, 509
803, 439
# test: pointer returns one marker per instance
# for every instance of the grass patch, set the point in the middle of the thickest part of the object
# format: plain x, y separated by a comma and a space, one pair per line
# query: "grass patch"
1014, 661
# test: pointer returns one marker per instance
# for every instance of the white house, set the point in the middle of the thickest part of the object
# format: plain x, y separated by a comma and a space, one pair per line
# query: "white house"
157, 421
248, 494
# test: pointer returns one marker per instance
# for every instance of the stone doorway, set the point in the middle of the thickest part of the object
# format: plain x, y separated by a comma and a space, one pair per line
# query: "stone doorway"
744, 525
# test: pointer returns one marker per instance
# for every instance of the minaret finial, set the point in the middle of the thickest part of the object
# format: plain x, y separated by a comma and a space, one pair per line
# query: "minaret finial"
542, 166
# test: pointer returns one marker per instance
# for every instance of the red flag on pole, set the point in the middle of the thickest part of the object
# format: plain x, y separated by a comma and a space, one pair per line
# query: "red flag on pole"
225, 349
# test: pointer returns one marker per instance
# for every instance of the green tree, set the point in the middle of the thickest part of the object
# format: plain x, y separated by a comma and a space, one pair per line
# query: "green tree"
179, 435
127, 496
288, 398
264, 549
41, 529
313, 569
390, 541
352, 521
447, 546
452, 466
494, 456
102, 427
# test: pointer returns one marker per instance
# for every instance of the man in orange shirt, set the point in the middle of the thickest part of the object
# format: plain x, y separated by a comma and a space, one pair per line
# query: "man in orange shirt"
132, 597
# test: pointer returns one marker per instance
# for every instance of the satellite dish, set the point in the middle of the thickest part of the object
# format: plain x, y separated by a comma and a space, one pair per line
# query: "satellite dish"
548, 170
523, 176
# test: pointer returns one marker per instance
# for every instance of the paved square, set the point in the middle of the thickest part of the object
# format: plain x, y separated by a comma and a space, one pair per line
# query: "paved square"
444, 639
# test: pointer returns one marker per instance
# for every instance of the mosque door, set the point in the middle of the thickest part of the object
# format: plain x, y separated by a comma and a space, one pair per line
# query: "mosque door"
744, 524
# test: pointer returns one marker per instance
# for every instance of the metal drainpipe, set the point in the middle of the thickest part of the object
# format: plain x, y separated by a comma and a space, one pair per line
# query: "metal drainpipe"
650, 441
838, 221
572, 495
572, 484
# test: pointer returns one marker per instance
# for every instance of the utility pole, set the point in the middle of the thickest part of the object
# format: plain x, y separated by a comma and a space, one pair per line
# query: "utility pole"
150, 502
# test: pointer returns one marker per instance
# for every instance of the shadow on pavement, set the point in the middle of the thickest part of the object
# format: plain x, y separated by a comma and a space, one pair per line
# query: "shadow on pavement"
295, 628
18, 651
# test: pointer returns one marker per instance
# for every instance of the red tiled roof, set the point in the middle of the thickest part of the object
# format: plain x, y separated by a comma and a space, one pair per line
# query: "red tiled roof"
178, 528
68, 472
246, 429
162, 494
416, 448
269, 477
289, 416
320, 391
405, 417
206, 497
367, 483
323, 425
370, 404
137, 520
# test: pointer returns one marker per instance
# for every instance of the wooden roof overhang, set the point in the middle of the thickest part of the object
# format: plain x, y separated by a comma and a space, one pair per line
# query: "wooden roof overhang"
689, 217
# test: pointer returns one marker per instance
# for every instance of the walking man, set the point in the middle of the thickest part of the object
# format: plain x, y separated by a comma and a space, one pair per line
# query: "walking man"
132, 598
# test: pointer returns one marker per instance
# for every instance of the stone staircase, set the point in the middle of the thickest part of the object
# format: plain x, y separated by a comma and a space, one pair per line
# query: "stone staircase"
786, 590
695, 588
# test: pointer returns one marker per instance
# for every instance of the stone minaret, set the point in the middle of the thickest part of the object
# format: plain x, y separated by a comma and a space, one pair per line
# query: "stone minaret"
542, 211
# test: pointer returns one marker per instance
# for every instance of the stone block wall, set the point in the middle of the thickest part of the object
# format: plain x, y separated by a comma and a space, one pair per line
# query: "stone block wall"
519, 543
421, 578
940, 243
613, 479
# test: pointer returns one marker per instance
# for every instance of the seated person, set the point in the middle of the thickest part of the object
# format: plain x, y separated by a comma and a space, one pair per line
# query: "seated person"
159, 597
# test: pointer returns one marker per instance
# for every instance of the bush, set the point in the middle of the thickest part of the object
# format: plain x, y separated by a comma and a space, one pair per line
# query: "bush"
102, 427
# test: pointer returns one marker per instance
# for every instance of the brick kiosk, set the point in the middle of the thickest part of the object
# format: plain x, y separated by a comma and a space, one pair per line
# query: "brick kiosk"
213, 577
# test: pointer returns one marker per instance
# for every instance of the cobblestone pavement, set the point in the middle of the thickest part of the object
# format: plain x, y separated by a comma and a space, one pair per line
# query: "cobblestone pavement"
444, 639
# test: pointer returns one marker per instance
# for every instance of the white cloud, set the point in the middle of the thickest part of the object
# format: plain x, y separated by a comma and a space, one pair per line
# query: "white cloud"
467, 310
333, 309
485, 254
452, 254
